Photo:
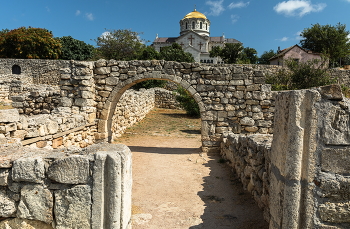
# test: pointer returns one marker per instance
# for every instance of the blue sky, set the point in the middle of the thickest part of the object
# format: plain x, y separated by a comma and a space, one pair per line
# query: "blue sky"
259, 24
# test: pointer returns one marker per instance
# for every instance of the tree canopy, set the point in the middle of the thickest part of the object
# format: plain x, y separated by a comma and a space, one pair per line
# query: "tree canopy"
73, 49
121, 44
230, 53
266, 56
332, 41
175, 53
29, 43
249, 56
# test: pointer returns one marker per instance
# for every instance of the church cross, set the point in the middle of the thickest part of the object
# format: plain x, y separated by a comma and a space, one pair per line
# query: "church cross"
191, 38
200, 45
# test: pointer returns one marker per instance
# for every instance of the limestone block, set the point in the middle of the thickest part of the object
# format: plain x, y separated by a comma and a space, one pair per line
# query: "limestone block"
66, 102
52, 126
7, 205
17, 223
9, 115
10, 127
71, 170
332, 92
36, 203
19, 134
335, 212
84, 102
112, 81
28, 169
331, 162
246, 121
102, 70
101, 63
41, 144
336, 129
251, 128
4, 173
73, 207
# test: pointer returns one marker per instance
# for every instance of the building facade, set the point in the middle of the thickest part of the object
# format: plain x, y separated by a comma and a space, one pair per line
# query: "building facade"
195, 38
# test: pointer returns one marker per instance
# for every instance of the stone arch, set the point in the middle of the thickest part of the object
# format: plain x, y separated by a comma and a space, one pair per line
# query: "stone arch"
106, 116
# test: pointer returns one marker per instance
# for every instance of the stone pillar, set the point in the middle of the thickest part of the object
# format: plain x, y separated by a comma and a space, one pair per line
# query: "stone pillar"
112, 180
292, 159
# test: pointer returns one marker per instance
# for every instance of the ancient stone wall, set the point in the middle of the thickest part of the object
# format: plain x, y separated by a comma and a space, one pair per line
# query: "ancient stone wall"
166, 99
342, 76
39, 70
249, 156
309, 185
132, 107
74, 188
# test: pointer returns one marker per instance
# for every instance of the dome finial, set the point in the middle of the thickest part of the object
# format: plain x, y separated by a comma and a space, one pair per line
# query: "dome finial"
195, 8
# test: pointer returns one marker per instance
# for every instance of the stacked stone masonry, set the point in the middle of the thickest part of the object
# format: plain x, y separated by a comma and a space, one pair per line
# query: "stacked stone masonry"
66, 189
300, 179
249, 157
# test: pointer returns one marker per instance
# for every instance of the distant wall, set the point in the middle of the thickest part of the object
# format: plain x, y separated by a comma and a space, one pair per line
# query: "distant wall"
41, 71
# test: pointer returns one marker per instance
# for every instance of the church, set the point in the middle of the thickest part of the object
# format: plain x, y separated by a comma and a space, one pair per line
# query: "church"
195, 38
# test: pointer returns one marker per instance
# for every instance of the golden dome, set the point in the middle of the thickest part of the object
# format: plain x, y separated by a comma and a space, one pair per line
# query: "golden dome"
195, 14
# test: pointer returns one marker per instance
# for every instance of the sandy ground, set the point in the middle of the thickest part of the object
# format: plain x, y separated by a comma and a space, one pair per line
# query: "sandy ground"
175, 185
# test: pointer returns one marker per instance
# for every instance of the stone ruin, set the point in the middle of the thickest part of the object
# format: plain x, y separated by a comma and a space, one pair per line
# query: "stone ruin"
289, 149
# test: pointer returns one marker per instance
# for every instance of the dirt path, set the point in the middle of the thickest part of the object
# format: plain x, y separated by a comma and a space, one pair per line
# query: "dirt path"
176, 186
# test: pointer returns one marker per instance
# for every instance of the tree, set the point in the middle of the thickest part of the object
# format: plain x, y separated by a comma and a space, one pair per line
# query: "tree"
29, 43
332, 41
149, 53
175, 53
230, 54
187, 102
73, 49
249, 56
301, 75
121, 44
266, 56
4, 31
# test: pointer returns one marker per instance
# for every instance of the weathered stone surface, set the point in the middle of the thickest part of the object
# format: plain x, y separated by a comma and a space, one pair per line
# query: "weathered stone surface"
336, 129
18, 223
36, 203
7, 205
28, 169
9, 115
335, 160
4, 173
246, 121
71, 170
335, 212
73, 207
332, 92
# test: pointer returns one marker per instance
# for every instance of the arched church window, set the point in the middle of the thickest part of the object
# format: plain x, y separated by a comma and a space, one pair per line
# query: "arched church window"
206, 26
16, 69
201, 25
186, 25
193, 25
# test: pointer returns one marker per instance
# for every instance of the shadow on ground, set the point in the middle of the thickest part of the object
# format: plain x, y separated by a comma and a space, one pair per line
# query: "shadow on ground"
227, 205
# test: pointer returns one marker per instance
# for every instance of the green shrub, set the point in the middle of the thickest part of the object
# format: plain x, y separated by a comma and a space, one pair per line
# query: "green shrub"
301, 75
187, 102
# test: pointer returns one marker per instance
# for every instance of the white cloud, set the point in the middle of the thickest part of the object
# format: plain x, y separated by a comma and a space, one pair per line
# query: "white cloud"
77, 13
298, 7
89, 16
216, 7
239, 5
283, 39
234, 18
47, 9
